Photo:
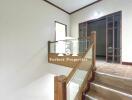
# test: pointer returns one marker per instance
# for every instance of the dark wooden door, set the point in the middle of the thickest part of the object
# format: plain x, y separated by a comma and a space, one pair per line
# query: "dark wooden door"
100, 27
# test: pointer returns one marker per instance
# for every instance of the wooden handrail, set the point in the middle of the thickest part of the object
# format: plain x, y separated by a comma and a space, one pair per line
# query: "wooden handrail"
91, 72
76, 67
93, 38
84, 85
60, 82
83, 38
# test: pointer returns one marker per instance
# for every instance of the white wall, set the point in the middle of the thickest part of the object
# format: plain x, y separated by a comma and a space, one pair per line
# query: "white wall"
25, 28
103, 8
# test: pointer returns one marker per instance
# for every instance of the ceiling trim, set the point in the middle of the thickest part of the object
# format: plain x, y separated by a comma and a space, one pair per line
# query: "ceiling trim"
73, 11
56, 6
86, 6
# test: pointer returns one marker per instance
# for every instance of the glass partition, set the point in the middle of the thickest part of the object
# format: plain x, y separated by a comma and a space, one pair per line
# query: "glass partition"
81, 53
73, 46
76, 82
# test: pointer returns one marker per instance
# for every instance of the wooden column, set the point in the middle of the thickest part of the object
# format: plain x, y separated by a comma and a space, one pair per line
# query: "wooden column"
60, 88
93, 36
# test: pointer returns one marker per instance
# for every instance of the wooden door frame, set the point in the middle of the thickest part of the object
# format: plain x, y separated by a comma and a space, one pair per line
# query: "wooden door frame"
104, 17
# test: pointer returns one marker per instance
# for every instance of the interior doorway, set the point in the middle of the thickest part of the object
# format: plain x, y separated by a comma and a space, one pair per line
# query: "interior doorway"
61, 33
100, 27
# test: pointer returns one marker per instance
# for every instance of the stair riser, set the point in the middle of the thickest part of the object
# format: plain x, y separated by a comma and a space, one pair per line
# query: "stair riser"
124, 84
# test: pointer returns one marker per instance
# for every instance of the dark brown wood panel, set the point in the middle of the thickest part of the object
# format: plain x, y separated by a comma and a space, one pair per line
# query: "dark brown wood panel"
127, 63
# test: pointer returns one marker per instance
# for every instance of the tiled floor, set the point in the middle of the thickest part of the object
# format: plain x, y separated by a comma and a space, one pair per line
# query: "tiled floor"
114, 69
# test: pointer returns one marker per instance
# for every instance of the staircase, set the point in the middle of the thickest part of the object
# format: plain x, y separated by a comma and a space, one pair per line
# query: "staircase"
80, 79
78, 54
109, 87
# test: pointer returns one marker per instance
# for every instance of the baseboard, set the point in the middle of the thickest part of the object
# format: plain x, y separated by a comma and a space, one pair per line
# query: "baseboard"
127, 63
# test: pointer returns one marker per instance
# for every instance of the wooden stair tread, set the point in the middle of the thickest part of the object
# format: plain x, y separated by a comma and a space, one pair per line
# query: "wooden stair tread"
114, 88
109, 92
116, 83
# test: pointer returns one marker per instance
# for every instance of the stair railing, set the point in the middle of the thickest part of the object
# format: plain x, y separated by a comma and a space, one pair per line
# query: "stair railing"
73, 86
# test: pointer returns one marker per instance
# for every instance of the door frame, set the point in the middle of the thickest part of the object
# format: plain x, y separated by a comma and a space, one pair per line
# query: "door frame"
62, 24
104, 17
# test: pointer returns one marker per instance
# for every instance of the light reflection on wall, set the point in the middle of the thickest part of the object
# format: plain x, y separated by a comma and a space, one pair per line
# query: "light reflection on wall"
97, 15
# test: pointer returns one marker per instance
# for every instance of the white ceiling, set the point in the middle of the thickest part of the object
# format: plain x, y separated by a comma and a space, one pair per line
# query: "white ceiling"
71, 5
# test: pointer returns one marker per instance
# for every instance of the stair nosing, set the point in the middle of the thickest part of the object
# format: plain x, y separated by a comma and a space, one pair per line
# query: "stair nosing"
91, 97
115, 76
